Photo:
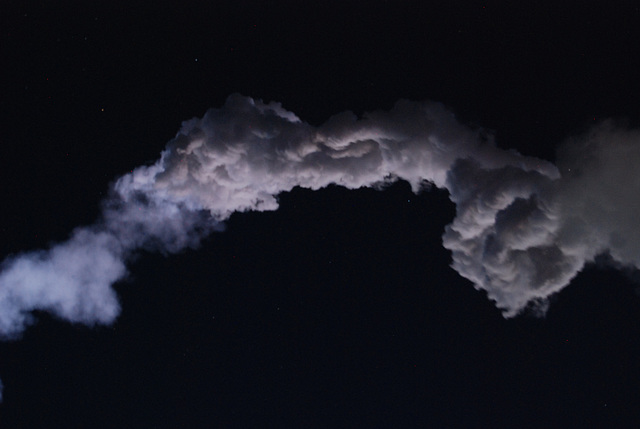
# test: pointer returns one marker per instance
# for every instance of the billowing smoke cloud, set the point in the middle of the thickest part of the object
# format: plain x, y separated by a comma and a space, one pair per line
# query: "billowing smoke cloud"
523, 228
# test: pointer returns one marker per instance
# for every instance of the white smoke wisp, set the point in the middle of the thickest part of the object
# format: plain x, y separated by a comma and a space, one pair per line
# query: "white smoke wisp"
524, 227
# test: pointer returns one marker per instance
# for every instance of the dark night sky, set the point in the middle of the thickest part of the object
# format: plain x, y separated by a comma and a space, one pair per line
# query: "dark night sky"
339, 309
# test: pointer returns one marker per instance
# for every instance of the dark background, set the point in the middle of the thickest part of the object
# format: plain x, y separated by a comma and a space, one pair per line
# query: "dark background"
339, 309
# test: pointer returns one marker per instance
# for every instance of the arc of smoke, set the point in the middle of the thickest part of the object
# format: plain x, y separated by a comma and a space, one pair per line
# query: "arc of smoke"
521, 232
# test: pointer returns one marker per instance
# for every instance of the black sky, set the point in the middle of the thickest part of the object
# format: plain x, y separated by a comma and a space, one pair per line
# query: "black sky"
339, 309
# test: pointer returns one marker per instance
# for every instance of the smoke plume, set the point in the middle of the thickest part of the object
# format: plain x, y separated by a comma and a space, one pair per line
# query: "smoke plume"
523, 229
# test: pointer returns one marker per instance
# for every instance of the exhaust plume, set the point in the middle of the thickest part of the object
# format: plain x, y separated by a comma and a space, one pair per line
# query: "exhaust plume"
523, 228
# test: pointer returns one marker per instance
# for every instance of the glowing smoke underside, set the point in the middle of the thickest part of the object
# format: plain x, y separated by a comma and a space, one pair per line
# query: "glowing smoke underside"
522, 229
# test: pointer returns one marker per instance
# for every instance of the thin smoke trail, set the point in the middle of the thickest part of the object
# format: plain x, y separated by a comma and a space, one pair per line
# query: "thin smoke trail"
523, 227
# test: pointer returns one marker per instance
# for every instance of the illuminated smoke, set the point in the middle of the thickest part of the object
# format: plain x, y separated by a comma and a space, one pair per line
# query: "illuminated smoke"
523, 227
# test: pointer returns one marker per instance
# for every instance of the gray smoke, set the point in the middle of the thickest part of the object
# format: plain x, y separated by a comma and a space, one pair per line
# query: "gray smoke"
523, 228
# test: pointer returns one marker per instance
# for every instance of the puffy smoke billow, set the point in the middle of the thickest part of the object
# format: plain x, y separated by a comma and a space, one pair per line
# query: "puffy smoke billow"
523, 228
